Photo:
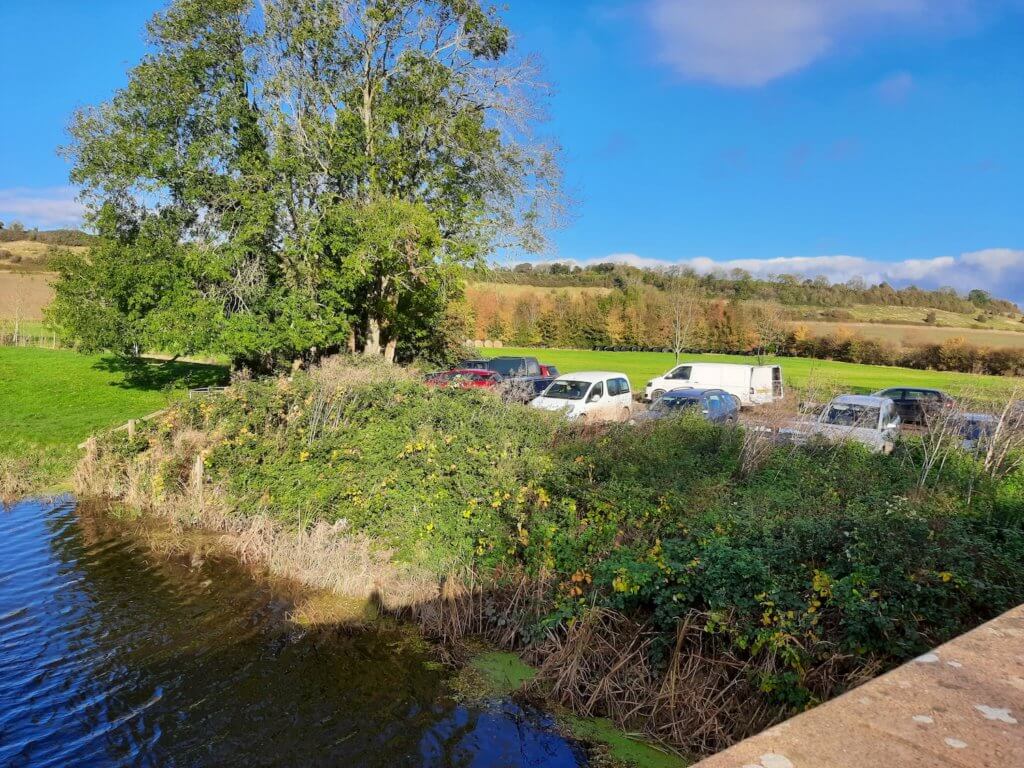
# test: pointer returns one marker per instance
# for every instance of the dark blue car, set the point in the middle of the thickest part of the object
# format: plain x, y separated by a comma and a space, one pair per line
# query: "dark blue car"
715, 405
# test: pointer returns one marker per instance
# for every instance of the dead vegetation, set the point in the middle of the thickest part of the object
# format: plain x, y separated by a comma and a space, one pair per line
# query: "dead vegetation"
321, 556
13, 474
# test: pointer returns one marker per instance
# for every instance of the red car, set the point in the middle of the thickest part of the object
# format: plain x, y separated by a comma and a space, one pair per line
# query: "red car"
466, 378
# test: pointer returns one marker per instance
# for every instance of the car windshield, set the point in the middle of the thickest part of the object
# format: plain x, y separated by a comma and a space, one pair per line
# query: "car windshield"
977, 428
507, 367
666, 404
567, 390
850, 415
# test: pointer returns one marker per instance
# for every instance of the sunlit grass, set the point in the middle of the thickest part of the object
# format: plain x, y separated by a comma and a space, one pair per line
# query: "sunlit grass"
53, 399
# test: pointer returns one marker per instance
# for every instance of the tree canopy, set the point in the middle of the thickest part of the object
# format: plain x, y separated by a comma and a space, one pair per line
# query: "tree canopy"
287, 177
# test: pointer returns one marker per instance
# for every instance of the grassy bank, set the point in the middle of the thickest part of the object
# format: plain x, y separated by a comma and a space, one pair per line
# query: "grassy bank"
851, 377
680, 579
54, 399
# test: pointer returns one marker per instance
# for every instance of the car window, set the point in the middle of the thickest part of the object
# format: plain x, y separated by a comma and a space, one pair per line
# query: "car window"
613, 387
565, 389
714, 405
673, 403
682, 372
597, 391
618, 386
850, 415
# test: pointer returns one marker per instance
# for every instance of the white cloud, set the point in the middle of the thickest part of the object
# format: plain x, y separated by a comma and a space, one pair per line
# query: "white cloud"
751, 42
41, 207
997, 270
896, 88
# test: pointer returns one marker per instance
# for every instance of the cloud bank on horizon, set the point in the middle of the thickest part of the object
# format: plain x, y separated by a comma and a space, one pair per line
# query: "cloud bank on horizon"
1000, 271
747, 43
47, 207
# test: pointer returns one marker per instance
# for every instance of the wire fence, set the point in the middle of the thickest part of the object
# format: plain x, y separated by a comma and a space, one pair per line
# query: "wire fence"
17, 338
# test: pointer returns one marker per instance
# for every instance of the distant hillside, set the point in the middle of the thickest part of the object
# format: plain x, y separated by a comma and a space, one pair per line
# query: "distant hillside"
632, 312
63, 237
784, 290
31, 251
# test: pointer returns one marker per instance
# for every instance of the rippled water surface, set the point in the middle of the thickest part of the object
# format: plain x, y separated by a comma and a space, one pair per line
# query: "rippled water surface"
112, 656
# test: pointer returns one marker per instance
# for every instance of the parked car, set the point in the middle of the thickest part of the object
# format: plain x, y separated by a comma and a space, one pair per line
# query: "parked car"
715, 405
916, 405
752, 384
975, 429
466, 378
507, 365
589, 396
523, 377
866, 419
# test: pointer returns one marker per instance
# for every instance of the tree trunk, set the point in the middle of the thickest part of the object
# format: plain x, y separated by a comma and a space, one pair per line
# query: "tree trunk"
371, 347
351, 343
389, 350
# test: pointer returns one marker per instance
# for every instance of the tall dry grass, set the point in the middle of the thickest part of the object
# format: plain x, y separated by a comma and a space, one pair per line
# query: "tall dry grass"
321, 556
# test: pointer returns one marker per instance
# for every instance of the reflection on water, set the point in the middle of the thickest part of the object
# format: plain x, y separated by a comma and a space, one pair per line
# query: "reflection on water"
110, 657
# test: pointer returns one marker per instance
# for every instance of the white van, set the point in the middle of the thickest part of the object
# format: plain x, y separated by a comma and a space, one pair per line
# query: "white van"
589, 396
752, 384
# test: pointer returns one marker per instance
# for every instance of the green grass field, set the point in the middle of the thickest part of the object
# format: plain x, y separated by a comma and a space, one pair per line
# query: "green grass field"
53, 399
640, 367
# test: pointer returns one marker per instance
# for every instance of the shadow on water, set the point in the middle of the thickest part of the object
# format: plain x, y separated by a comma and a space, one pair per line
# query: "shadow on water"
152, 374
112, 656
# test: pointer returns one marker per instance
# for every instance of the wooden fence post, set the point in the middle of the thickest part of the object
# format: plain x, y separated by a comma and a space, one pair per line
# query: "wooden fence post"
196, 478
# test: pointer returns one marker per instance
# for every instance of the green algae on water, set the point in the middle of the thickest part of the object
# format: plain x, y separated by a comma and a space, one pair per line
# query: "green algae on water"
621, 749
506, 672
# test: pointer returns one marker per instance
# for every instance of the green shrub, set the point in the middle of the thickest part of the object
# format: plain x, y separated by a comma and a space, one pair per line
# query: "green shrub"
822, 553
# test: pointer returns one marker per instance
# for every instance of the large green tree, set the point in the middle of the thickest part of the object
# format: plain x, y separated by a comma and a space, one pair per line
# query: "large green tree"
287, 177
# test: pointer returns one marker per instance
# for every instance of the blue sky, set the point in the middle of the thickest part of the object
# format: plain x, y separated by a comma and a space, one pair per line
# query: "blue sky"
882, 138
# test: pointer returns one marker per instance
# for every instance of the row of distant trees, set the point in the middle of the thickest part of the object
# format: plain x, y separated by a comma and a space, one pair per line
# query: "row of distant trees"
681, 321
789, 290
16, 231
954, 354
641, 316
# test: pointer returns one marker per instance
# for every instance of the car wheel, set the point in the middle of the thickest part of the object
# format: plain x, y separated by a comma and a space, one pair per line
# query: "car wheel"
656, 394
626, 414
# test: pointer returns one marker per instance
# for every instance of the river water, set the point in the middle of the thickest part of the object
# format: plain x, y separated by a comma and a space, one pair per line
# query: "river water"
111, 656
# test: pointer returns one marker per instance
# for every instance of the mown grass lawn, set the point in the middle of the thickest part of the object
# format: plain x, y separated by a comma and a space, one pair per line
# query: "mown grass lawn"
640, 367
51, 400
